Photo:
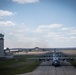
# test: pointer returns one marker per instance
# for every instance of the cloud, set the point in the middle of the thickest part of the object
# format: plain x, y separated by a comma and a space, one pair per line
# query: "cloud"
56, 32
72, 32
5, 13
67, 28
43, 28
51, 26
52, 35
59, 36
72, 37
7, 23
23, 40
25, 1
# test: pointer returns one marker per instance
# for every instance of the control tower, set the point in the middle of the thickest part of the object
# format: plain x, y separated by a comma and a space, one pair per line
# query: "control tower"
1, 45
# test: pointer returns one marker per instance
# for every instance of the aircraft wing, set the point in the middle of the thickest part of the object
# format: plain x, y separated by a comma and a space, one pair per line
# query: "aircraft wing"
40, 59
67, 58
51, 58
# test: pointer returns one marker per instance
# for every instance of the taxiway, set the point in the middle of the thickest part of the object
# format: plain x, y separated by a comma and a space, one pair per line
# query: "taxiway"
45, 68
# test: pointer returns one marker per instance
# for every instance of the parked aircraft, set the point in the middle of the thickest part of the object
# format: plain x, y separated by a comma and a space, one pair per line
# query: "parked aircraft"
55, 56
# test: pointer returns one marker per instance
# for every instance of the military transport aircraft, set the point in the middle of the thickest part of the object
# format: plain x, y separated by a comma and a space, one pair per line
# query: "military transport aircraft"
55, 56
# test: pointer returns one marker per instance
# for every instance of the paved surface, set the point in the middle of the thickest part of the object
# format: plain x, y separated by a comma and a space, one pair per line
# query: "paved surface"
46, 69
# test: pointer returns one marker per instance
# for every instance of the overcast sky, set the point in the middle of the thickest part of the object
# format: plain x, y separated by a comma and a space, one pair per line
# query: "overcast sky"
38, 23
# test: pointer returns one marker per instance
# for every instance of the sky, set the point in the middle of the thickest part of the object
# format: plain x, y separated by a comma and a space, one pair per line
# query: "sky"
38, 23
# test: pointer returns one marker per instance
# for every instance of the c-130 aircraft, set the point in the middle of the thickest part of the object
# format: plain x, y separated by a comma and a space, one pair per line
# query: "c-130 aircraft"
55, 58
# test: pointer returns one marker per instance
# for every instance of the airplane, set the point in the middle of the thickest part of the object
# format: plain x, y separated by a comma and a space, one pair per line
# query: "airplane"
56, 56
55, 61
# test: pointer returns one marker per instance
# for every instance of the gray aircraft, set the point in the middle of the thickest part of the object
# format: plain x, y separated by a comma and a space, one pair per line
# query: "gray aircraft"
55, 58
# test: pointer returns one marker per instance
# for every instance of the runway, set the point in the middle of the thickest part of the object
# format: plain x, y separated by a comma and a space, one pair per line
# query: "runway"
45, 68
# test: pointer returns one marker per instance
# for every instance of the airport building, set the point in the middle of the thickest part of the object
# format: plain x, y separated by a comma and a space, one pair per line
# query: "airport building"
3, 53
1, 45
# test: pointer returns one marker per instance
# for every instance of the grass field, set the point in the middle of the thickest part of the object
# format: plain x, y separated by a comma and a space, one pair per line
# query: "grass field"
73, 63
18, 65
